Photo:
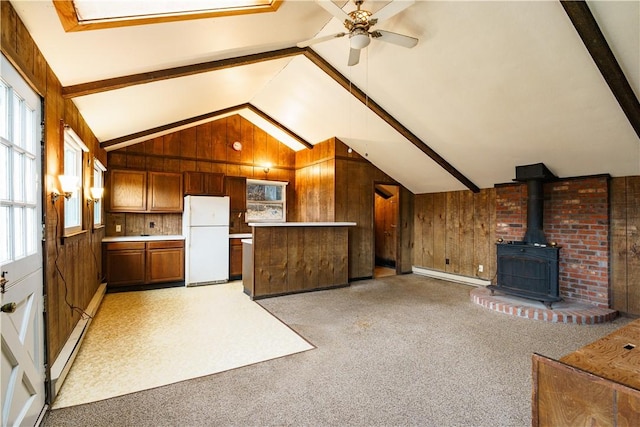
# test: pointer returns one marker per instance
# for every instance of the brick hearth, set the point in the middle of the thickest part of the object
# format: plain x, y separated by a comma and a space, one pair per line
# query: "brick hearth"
562, 312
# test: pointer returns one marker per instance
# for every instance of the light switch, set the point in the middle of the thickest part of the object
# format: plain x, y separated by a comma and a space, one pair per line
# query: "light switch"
118, 228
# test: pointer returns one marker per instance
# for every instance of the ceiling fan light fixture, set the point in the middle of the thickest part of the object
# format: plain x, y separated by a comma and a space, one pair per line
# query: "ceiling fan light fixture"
359, 40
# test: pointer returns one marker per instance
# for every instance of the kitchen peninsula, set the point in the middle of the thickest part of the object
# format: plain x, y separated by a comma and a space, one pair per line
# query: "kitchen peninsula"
291, 257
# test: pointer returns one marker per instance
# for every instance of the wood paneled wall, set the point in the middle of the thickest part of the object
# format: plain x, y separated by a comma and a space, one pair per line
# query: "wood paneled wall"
335, 185
625, 244
315, 183
204, 148
454, 232
73, 268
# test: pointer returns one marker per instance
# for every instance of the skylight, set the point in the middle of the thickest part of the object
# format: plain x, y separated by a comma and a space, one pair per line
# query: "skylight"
94, 14
91, 10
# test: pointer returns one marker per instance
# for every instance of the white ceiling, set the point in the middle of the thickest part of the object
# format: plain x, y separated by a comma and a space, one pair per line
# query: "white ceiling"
491, 85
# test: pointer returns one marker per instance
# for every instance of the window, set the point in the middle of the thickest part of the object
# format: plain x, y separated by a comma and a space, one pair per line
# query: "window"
19, 173
98, 182
266, 201
73, 148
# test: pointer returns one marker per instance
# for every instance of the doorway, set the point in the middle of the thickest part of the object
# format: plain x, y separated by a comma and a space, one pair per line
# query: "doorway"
21, 284
386, 213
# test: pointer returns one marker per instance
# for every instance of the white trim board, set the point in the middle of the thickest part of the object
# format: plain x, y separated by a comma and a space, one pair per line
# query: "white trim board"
60, 368
473, 281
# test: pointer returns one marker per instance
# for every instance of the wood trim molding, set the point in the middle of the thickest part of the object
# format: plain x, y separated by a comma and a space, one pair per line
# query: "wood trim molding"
279, 125
69, 18
595, 42
105, 85
169, 127
384, 115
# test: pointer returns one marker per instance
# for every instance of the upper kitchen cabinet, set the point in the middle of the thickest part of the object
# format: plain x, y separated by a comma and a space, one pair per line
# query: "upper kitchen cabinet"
164, 192
140, 191
128, 191
237, 192
203, 184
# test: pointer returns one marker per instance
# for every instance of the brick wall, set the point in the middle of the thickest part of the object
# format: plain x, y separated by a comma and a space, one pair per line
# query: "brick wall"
576, 216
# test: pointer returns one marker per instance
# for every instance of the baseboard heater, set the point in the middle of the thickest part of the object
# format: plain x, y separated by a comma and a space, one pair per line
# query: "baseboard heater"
465, 280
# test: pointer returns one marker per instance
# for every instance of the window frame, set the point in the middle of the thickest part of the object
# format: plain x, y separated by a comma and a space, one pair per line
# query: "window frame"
282, 202
99, 171
73, 144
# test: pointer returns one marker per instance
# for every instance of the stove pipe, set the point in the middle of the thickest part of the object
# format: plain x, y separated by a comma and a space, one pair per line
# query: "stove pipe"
535, 176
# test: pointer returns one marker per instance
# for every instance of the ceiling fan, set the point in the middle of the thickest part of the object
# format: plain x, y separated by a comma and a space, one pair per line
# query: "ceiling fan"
359, 22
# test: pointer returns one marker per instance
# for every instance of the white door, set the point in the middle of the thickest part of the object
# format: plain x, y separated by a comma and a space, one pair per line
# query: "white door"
21, 294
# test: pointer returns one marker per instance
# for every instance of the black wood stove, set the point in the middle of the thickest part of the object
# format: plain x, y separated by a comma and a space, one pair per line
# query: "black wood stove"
529, 268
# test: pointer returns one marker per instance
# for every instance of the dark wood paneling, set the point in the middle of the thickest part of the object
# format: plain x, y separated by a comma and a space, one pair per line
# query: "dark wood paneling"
458, 226
296, 259
75, 277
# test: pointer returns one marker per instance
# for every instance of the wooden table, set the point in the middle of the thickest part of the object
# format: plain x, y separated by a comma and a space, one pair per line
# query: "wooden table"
598, 384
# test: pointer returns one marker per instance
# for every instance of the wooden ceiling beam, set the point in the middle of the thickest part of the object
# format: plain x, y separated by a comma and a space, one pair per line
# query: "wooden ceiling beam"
172, 73
388, 118
142, 78
595, 42
201, 118
279, 125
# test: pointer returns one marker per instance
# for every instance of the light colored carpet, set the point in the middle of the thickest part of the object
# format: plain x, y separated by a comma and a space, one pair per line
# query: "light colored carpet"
399, 351
141, 340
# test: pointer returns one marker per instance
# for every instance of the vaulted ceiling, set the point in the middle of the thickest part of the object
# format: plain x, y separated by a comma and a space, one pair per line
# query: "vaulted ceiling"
491, 85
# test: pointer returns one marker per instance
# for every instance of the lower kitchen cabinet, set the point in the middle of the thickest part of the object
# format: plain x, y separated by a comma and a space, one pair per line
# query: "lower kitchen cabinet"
165, 261
235, 259
125, 263
143, 263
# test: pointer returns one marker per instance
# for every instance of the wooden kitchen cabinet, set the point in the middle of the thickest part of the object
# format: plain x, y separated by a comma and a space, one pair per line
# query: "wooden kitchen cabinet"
203, 184
165, 261
236, 189
164, 192
235, 259
144, 263
141, 191
127, 191
125, 263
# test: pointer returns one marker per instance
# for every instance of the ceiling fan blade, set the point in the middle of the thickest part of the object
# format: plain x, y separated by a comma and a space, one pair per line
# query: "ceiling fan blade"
320, 39
392, 9
395, 38
333, 9
354, 57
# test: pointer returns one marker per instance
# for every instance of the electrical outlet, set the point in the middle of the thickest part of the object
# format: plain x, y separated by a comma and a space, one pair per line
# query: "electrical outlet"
446, 261
480, 268
152, 224
118, 228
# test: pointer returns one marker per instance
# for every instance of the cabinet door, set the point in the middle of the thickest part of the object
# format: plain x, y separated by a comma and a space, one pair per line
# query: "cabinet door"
165, 192
128, 191
235, 259
236, 187
214, 184
125, 264
165, 261
194, 184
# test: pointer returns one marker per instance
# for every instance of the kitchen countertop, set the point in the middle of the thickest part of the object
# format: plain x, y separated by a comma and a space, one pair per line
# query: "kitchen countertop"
302, 224
240, 236
142, 238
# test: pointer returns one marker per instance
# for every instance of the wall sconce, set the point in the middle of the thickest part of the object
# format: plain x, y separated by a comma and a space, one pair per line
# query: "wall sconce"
96, 194
266, 167
68, 184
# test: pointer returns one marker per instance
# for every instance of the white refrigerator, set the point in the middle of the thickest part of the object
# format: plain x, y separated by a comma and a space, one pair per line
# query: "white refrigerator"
205, 226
